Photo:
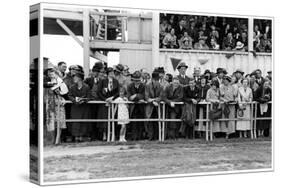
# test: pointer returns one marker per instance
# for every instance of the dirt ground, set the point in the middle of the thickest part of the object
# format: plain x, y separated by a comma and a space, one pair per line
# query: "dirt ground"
96, 160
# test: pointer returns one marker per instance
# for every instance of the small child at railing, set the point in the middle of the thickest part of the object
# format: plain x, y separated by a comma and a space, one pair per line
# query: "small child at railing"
123, 113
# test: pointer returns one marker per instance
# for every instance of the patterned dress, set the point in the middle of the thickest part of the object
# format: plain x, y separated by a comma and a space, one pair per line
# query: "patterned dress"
123, 112
244, 95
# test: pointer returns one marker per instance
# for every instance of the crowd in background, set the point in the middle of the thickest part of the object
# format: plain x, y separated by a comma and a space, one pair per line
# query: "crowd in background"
146, 90
188, 32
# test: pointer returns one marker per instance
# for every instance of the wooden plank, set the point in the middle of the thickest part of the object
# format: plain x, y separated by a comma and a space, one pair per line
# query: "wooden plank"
86, 38
119, 45
134, 15
63, 15
68, 31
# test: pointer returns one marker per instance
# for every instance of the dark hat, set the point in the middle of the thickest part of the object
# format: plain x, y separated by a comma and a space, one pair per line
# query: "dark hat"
97, 67
207, 71
215, 83
224, 71
239, 70
182, 64
119, 68
228, 78
136, 76
219, 70
269, 71
155, 75
79, 74
109, 69
159, 70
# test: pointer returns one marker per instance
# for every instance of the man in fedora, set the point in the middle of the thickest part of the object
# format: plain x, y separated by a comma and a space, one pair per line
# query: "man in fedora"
136, 93
161, 73
259, 78
221, 72
183, 79
153, 91
196, 75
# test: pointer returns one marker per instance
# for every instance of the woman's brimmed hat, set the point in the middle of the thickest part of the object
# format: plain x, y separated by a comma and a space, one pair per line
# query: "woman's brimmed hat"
109, 69
239, 70
119, 68
239, 45
159, 70
221, 70
136, 76
97, 67
182, 64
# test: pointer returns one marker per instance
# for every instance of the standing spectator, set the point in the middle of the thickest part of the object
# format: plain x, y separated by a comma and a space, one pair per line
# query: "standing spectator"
245, 95
269, 76
220, 75
196, 75
263, 95
214, 34
170, 40
192, 31
191, 98
127, 75
93, 82
229, 42
239, 77
203, 89
153, 93
79, 94
118, 72
61, 69
53, 108
161, 73
259, 78
227, 94
68, 80
136, 93
201, 44
253, 85
123, 113
184, 80
108, 90
213, 96
172, 94
207, 75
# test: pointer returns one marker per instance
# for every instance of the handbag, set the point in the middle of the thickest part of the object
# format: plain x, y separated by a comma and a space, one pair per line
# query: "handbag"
216, 113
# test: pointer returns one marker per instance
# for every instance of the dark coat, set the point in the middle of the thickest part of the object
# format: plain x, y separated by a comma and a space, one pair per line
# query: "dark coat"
152, 92
140, 92
93, 83
79, 111
103, 92
189, 94
173, 95
202, 90
260, 82
184, 81
68, 80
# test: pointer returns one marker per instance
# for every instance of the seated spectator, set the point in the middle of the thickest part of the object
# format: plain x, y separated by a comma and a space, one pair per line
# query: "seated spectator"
180, 29
201, 45
186, 42
170, 40
214, 34
192, 31
229, 42
214, 44
244, 40
164, 28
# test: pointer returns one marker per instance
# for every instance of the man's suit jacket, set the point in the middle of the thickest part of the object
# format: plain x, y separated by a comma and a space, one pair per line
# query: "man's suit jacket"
152, 92
184, 81
173, 95
140, 92
104, 93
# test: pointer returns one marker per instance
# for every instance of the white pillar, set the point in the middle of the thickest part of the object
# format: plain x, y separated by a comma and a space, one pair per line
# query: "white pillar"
155, 39
86, 38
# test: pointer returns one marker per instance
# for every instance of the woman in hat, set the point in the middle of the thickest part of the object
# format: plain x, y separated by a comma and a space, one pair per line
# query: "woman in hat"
54, 107
245, 96
79, 94
263, 96
170, 40
213, 96
228, 95
108, 90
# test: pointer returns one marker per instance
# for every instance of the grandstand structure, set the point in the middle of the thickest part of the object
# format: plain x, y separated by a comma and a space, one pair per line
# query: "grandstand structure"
135, 35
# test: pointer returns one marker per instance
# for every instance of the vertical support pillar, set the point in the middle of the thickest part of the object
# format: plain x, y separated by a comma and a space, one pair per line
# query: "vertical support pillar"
86, 44
155, 39
250, 42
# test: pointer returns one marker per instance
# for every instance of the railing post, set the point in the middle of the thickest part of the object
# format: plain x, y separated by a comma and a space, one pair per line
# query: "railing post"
251, 120
108, 123
159, 124
207, 122
112, 122
163, 122
255, 122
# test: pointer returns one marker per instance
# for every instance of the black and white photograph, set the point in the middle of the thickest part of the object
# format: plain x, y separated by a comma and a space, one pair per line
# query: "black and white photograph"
131, 93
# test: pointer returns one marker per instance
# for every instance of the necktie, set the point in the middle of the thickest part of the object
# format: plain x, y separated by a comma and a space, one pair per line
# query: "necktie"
110, 85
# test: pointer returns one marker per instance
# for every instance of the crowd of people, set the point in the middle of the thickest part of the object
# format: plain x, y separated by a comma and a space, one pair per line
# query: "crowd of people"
212, 33
146, 91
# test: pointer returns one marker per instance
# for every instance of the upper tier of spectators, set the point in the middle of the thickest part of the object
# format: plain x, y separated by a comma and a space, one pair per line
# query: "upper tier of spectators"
212, 33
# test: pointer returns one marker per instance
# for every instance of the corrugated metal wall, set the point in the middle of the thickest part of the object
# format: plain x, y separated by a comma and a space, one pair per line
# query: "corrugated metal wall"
215, 60
136, 59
